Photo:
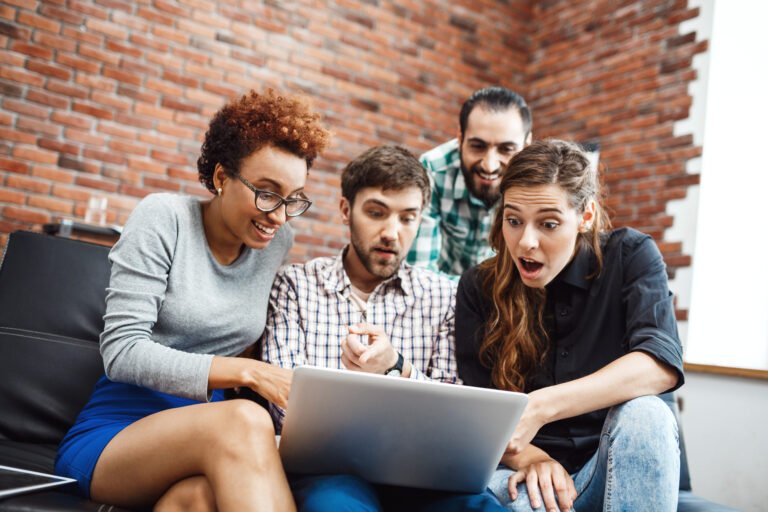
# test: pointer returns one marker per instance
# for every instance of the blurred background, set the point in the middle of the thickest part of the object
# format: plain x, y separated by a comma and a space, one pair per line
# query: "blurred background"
105, 101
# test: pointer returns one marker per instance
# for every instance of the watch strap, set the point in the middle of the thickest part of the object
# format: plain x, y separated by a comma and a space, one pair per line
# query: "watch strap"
398, 365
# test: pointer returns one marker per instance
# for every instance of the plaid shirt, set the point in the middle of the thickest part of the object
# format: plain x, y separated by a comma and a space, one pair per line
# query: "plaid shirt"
454, 230
310, 311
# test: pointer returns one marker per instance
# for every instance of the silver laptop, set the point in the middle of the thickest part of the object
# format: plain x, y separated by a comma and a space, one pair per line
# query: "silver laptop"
15, 481
396, 431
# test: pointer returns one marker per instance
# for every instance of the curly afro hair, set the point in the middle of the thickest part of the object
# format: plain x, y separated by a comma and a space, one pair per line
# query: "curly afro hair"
247, 124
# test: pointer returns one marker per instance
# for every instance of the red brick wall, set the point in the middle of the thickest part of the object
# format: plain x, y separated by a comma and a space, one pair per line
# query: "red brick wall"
112, 97
619, 72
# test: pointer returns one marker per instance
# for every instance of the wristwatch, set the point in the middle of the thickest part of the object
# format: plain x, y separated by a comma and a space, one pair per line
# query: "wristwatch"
396, 370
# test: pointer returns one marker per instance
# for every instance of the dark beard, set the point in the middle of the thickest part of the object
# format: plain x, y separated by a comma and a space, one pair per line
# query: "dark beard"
381, 270
487, 194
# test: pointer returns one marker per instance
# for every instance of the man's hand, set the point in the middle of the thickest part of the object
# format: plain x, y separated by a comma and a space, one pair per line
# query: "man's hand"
377, 356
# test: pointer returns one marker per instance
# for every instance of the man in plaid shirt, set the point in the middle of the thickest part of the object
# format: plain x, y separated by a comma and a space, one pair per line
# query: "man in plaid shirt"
494, 124
367, 310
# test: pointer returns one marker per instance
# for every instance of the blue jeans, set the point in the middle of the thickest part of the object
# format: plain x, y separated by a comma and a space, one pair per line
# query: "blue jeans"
636, 466
347, 493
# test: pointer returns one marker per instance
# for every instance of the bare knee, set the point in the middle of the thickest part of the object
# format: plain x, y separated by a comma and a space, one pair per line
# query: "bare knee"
247, 418
192, 494
247, 431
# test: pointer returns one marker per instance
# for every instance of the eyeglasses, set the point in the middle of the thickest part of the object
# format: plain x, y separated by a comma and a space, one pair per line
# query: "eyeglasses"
267, 201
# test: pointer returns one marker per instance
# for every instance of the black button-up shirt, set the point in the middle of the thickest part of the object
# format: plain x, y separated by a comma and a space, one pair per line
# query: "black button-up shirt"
590, 323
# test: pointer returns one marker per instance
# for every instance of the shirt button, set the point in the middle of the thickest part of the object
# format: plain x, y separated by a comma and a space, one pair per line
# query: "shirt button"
564, 311
564, 353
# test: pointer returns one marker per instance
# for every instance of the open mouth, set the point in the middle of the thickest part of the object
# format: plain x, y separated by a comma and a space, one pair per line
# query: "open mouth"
530, 266
263, 229
487, 176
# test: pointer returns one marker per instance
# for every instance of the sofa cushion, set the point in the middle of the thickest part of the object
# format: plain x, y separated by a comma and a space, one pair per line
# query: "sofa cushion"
47, 380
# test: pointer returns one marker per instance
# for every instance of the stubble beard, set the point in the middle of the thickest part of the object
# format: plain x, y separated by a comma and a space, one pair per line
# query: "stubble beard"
383, 270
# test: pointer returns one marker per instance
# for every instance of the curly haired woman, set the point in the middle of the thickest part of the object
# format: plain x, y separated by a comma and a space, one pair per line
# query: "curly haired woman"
580, 317
188, 292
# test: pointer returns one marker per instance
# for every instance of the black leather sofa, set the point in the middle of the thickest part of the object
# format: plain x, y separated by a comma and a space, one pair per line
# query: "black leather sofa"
51, 306
52, 294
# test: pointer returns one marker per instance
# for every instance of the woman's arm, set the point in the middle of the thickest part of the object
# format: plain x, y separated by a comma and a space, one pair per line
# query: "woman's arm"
270, 381
628, 377
141, 263
156, 267
653, 364
632, 375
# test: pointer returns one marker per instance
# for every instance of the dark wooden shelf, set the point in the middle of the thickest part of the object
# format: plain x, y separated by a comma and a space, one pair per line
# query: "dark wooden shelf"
68, 228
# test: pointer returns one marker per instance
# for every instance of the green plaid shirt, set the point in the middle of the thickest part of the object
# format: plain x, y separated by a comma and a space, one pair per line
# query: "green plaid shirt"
453, 235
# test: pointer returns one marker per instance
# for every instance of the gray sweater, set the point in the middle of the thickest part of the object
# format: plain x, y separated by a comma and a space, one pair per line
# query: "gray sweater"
171, 306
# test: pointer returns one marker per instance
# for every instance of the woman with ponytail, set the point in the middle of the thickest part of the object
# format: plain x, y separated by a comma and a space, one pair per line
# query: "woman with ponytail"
579, 317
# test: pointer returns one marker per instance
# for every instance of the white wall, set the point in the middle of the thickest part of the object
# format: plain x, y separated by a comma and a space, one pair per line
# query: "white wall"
685, 211
724, 419
728, 323
725, 423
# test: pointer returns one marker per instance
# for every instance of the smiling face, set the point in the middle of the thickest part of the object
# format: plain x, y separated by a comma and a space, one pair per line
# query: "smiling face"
383, 224
489, 142
271, 169
540, 231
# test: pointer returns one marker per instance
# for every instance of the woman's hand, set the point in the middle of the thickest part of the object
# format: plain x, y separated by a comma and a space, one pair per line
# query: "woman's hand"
545, 480
534, 417
524, 432
270, 381
273, 383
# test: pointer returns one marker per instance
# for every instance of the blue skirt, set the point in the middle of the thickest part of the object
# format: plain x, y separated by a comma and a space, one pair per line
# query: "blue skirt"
112, 407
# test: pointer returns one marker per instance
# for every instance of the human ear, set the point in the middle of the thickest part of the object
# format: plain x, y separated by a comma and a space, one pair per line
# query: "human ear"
588, 216
219, 176
345, 208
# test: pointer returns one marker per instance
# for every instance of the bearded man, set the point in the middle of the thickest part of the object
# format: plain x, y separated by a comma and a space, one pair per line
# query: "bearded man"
494, 125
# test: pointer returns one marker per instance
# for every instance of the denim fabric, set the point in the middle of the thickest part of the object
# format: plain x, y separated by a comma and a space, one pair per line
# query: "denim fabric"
636, 466
347, 493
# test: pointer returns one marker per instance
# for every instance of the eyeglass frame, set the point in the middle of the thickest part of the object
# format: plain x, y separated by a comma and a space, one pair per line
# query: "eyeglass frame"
283, 200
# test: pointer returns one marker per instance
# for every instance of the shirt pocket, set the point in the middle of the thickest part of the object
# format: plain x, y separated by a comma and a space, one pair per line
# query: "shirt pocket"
323, 343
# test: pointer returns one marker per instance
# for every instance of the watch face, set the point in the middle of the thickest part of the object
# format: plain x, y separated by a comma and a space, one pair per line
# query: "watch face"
396, 370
